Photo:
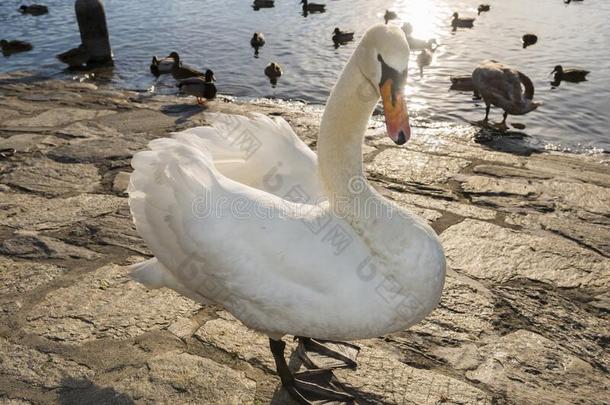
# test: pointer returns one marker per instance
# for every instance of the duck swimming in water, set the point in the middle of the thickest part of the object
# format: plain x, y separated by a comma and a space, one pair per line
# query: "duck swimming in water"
76, 57
34, 9
313, 7
528, 40
483, 8
342, 37
164, 65
569, 75
257, 41
273, 71
14, 46
458, 22
389, 15
180, 71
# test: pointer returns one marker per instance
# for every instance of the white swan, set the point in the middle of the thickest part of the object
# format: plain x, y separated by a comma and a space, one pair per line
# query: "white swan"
243, 214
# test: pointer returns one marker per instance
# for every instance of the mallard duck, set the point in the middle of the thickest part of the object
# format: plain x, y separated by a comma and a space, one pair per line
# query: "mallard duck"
503, 86
14, 46
201, 87
164, 65
313, 7
75, 57
458, 22
273, 71
222, 232
389, 15
180, 71
424, 59
257, 41
569, 1
263, 4
341, 37
483, 8
529, 39
462, 83
34, 9
569, 75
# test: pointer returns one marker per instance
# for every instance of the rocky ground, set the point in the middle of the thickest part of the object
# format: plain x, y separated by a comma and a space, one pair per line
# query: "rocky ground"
523, 319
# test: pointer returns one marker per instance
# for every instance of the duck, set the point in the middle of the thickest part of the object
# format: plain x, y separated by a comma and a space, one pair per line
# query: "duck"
263, 4
164, 65
389, 15
461, 83
504, 87
313, 7
203, 88
569, 1
180, 71
75, 57
273, 71
528, 40
483, 8
341, 37
257, 41
14, 46
34, 9
297, 255
569, 75
458, 22
424, 59
417, 44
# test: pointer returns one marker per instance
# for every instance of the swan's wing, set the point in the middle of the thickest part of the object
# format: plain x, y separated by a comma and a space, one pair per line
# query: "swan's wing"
230, 243
261, 152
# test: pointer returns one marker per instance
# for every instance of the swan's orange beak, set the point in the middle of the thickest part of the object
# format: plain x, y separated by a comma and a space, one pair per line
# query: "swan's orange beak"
395, 111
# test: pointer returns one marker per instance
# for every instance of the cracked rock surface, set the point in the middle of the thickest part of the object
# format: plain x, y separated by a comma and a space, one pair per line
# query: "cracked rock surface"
524, 317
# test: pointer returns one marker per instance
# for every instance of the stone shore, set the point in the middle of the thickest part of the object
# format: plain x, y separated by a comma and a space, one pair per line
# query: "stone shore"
524, 317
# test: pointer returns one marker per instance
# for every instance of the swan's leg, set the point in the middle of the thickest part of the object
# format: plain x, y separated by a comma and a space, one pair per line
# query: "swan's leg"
304, 392
327, 354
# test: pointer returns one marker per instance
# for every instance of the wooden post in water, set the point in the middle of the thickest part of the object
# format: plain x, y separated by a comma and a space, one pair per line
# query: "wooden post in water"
91, 19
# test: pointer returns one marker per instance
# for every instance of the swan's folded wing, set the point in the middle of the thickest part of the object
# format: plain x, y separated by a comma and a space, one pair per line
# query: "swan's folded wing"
261, 152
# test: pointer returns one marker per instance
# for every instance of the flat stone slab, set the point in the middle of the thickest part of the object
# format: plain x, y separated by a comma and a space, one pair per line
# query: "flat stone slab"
409, 165
35, 368
30, 245
23, 143
182, 378
105, 304
19, 277
490, 252
52, 179
526, 364
24, 211
57, 117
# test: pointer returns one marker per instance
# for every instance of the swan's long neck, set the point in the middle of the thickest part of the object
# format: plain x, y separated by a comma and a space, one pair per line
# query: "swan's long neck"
342, 129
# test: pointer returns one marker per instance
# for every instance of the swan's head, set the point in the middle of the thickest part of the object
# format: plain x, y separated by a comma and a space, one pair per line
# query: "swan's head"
383, 59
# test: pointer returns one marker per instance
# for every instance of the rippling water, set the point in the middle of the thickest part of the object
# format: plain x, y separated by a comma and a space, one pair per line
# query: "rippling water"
215, 34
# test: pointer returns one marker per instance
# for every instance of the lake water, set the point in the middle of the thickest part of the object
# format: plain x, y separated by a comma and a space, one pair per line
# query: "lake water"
215, 34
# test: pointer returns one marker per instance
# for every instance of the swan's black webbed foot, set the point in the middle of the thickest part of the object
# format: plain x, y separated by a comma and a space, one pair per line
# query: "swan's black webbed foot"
327, 354
309, 387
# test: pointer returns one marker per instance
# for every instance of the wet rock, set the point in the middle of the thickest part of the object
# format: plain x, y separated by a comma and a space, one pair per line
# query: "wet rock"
29, 245
51, 178
176, 377
97, 149
35, 368
57, 117
486, 251
524, 364
409, 165
25, 211
105, 304
120, 183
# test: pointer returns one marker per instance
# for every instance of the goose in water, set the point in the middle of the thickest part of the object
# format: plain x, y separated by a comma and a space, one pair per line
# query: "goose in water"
302, 257
501, 86
458, 22
164, 65
483, 8
257, 41
569, 75
424, 59
201, 87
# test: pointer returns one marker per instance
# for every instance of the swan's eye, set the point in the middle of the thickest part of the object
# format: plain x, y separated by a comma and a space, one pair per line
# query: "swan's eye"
393, 76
